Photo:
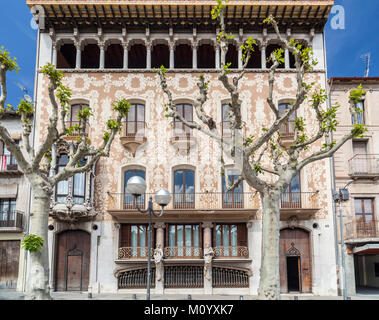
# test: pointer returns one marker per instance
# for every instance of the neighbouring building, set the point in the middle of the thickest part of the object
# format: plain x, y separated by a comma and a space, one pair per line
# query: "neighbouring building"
97, 238
358, 160
14, 207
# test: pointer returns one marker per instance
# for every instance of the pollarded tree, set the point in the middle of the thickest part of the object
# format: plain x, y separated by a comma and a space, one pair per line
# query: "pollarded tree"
267, 164
35, 162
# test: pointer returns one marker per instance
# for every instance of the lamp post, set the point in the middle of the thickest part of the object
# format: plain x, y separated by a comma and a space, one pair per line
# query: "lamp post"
343, 195
137, 186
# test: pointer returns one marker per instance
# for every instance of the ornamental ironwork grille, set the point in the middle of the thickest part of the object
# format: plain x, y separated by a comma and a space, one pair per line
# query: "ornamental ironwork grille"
184, 277
135, 279
229, 278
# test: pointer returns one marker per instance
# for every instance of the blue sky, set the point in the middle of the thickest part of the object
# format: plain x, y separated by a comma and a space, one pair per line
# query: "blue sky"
344, 47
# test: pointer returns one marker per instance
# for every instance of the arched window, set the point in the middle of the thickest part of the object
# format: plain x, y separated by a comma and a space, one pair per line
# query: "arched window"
206, 56
255, 61
135, 122
232, 198
114, 57
183, 56
160, 56
74, 119
129, 200
184, 189
137, 56
227, 117
287, 129
62, 186
232, 56
185, 110
66, 56
90, 57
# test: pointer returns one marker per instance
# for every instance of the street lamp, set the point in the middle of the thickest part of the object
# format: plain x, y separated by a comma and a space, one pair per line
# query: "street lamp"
137, 186
341, 196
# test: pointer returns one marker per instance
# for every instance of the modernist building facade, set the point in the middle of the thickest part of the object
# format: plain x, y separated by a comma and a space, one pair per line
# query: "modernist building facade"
97, 238
357, 161
14, 208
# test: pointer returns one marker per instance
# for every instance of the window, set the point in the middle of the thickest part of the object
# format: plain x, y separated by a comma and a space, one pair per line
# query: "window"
66, 57
129, 200
232, 56
227, 117
359, 107
255, 61
232, 198
74, 119
365, 217
7, 159
288, 128
134, 238
79, 186
114, 57
184, 189
90, 58
228, 238
291, 197
269, 50
62, 186
135, 123
137, 56
183, 56
160, 56
185, 110
206, 56
184, 240
7, 211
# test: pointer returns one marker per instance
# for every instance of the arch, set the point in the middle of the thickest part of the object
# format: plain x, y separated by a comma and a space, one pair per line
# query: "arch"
232, 55
295, 260
79, 101
137, 55
255, 61
114, 54
66, 54
206, 55
160, 54
183, 54
273, 45
90, 57
72, 260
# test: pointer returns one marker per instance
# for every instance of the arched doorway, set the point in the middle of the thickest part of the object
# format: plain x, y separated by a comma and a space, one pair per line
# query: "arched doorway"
72, 261
295, 262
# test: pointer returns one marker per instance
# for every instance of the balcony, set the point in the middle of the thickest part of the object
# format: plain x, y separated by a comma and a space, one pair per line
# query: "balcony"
301, 204
133, 135
75, 133
231, 252
11, 221
364, 166
359, 231
183, 252
287, 134
129, 253
8, 165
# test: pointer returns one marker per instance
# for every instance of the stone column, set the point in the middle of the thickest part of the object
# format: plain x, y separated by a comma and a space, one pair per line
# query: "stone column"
208, 256
287, 58
240, 62
102, 54
263, 54
148, 54
158, 257
54, 59
194, 54
126, 52
171, 46
217, 56
78, 55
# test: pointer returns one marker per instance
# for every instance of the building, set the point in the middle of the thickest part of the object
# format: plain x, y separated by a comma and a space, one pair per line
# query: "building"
14, 208
358, 160
98, 240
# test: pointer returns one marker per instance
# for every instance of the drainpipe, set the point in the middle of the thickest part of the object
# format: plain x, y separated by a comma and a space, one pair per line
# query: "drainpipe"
332, 169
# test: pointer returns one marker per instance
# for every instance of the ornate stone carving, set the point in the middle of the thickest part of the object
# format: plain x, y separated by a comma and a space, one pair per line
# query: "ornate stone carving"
293, 222
293, 252
158, 258
208, 256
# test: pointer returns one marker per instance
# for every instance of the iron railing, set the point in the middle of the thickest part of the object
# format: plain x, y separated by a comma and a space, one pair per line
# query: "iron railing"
364, 165
76, 124
182, 252
135, 279
229, 278
358, 229
8, 163
230, 252
212, 200
133, 129
11, 219
125, 253
184, 277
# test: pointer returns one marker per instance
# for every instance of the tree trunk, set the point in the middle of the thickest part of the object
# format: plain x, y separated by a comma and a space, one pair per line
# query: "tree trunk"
269, 283
37, 287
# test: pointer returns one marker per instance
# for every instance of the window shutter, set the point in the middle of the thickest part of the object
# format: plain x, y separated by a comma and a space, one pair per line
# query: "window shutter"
242, 235
125, 235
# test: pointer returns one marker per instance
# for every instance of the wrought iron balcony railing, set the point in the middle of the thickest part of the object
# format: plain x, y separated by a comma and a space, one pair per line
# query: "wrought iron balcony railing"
213, 200
125, 253
133, 129
182, 252
359, 230
76, 124
364, 165
12, 219
230, 252
8, 163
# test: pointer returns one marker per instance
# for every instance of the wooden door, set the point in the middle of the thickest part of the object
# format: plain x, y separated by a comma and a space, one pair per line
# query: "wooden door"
9, 261
295, 243
72, 261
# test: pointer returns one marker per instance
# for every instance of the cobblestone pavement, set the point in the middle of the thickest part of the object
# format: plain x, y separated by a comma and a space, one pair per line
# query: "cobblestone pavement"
14, 295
